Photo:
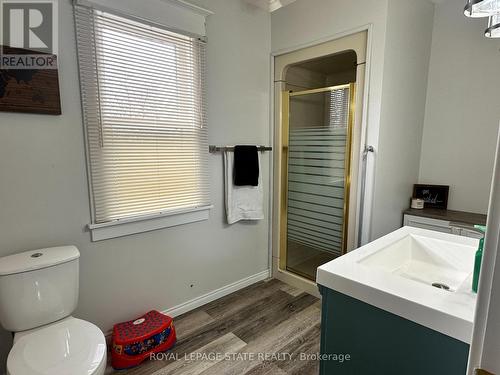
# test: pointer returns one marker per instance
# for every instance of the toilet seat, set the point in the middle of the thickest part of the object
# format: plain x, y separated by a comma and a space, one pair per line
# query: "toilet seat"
69, 346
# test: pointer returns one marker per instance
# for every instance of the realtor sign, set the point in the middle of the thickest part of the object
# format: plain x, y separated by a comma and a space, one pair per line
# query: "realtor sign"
22, 62
28, 34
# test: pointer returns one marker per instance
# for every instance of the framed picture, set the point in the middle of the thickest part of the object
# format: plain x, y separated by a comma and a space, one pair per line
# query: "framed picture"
434, 196
29, 90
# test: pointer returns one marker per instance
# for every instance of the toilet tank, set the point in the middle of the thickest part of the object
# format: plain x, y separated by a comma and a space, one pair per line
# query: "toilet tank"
38, 287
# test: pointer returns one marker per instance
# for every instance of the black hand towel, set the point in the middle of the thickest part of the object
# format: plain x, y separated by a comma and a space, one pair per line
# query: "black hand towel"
246, 166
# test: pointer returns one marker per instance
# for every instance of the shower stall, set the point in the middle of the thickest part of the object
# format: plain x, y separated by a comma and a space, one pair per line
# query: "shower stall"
318, 189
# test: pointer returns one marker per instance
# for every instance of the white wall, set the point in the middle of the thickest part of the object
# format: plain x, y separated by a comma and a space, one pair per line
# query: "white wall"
44, 194
463, 110
406, 63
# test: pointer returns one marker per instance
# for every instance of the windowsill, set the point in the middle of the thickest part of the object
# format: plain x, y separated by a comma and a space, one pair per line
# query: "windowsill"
125, 227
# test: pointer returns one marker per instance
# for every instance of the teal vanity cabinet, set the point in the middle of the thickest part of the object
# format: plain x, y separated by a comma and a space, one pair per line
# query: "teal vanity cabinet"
361, 339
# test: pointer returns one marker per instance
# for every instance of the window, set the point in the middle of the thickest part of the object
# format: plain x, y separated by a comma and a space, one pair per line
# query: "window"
145, 121
338, 108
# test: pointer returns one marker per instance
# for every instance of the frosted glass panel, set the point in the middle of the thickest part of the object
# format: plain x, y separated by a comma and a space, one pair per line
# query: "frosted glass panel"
317, 147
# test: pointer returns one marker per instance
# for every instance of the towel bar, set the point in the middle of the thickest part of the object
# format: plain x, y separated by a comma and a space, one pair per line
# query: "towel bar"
212, 149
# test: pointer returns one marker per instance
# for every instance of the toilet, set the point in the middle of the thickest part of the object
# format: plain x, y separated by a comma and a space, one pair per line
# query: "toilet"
38, 294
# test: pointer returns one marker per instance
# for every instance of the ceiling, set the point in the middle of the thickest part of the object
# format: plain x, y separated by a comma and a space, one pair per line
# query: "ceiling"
276, 4
272, 5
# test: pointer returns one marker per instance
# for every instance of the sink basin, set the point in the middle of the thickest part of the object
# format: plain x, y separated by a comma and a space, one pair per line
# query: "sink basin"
430, 261
418, 274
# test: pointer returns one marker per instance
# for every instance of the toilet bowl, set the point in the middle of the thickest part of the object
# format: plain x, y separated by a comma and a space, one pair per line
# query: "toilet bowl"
38, 294
68, 347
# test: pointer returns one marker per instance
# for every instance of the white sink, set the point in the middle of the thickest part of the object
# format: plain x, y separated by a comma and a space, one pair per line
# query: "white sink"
396, 273
430, 261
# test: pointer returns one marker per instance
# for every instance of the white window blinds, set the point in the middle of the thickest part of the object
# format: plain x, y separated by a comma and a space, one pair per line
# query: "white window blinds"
144, 114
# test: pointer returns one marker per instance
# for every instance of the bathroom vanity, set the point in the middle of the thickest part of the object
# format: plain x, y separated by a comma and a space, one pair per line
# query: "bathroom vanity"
399, 305
446, 221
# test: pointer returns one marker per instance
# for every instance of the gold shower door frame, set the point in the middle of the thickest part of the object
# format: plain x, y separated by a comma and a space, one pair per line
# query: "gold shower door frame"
286, 95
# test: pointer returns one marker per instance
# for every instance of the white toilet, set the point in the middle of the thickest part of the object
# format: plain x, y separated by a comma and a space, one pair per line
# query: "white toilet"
38, 293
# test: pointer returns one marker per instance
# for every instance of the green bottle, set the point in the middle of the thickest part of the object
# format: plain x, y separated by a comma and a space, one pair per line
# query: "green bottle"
478, 259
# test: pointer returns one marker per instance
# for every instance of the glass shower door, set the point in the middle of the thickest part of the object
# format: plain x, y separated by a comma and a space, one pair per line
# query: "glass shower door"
317, 127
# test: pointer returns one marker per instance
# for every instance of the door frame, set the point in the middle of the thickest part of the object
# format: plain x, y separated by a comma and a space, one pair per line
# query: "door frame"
485, 343
364, 200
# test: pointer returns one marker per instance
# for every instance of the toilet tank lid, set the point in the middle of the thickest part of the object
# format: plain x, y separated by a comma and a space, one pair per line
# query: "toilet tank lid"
37, 259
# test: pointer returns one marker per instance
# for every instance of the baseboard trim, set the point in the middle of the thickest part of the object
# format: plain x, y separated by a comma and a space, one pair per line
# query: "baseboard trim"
216, 294
210, 296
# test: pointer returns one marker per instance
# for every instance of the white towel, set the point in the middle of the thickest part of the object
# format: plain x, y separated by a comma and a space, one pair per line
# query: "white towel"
242, 202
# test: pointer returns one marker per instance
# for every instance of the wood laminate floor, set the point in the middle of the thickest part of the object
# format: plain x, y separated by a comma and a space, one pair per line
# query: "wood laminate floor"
268, 328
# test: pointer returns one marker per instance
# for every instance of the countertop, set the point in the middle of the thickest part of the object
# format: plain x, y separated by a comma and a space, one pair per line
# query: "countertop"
449, 215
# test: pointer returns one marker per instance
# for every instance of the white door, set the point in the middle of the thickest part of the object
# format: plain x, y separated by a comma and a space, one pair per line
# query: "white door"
485, 347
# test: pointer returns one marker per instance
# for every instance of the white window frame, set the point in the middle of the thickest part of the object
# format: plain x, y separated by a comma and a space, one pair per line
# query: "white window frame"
128, 226
144, 223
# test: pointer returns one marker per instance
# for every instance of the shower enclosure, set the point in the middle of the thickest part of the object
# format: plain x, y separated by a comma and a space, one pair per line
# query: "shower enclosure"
316, 165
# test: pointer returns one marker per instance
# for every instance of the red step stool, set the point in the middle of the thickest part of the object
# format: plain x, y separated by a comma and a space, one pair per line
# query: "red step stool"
135, 340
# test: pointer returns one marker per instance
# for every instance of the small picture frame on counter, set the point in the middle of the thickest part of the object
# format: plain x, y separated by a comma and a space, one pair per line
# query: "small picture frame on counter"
434, 196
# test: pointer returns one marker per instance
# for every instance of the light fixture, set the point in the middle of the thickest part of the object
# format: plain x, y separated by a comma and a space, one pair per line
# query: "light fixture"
481, 8
493, 30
